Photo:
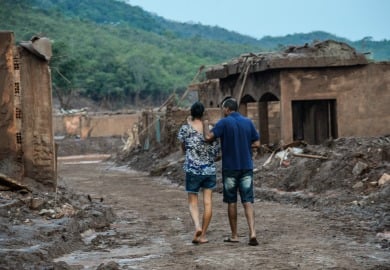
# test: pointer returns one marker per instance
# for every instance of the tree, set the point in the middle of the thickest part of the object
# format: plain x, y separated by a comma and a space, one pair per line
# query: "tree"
64, 67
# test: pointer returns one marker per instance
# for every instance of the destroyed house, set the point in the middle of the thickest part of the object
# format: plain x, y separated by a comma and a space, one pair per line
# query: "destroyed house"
313, 92
27, 149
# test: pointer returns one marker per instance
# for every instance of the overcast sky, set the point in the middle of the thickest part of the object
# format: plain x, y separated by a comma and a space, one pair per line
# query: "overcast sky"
351, 19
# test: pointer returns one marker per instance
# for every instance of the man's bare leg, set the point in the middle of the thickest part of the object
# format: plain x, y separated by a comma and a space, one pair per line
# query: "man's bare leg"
232, 214
250, 218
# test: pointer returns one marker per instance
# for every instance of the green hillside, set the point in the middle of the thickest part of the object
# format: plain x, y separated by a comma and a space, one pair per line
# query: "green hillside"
120, 55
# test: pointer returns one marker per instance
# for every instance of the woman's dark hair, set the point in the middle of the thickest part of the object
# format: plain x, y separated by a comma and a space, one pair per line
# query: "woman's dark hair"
230, 103
197, 110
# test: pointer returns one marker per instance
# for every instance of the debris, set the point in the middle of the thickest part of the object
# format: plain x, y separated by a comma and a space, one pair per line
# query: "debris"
13, 183
82, 111
283, 155
358, 185
309, 156
66, 210
269, 159
373, 183
36, 203
190, 85
39, 46
168, 100
359, 168
111, 265
285, 163
90, 198
385, 179
163, 167
47, 212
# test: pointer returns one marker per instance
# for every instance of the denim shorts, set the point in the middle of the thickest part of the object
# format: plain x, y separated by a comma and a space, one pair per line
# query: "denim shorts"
238, 180
195, 182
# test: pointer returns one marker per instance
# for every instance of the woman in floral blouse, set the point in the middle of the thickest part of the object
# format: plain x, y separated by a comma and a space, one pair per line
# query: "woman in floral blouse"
199, 166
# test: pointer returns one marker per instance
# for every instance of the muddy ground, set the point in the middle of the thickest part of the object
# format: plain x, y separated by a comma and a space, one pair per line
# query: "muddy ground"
129, 211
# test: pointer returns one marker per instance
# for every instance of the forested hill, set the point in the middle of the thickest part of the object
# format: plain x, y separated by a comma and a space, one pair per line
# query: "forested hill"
122, 55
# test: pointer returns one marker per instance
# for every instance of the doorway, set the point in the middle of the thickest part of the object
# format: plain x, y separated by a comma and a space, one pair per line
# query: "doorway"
314, 121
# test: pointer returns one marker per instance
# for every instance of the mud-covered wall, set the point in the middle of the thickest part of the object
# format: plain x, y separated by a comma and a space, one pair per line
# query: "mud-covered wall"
7, 133
362, 95
10, 152
7, 127
211, 93
274, 122
107, 125
37, 125
257, 86
99, 125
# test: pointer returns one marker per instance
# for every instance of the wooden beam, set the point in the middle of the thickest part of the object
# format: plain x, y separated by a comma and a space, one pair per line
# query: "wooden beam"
309, 156
10, 182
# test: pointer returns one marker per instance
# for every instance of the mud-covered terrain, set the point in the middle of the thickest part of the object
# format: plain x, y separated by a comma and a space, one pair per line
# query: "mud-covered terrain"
347, 176
329, 209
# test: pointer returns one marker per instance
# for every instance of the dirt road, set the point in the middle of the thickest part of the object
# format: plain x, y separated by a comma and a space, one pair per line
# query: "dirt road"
153, 229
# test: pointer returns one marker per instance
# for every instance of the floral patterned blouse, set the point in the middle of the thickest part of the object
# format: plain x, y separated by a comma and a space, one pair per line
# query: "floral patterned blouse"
200, 155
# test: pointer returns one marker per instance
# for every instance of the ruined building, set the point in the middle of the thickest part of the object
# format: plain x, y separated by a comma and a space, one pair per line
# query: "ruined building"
27, 149
311, 93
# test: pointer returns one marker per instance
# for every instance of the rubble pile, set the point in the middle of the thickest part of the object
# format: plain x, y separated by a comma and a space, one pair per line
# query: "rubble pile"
39, 226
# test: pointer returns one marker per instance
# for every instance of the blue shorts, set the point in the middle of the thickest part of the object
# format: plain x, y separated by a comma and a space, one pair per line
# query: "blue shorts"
238, 180
194, 182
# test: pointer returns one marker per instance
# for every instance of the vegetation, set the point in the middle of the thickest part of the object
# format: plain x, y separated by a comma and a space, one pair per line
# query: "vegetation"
121, 55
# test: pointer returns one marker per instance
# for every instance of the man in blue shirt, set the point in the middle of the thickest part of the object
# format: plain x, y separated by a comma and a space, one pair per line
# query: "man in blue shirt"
238, 136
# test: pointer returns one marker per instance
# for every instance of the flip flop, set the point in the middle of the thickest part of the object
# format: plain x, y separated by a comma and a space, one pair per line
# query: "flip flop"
228, 240
253, 242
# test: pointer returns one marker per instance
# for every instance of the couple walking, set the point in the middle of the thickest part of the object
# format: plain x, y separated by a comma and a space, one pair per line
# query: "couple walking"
237, 136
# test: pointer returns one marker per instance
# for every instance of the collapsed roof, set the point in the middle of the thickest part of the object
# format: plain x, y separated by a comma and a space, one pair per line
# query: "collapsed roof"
327, 53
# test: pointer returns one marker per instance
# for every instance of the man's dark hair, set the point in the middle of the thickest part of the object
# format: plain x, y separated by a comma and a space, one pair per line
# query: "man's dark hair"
231, 104
197, 110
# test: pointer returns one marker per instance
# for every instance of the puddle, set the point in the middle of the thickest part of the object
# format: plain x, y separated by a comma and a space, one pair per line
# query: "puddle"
83, 159
128, 251
124, 256
82, 162
79, 157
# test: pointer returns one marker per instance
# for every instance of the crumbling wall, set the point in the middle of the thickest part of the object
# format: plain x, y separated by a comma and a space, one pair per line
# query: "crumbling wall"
209, 93
94, 125
355, 90
37, 124
27, 151
72, 124
107, 125
362, 95
274, 128
10, 133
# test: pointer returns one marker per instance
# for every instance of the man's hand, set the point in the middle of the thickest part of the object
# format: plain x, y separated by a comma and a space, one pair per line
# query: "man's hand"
256, 144
208, 136
206, 116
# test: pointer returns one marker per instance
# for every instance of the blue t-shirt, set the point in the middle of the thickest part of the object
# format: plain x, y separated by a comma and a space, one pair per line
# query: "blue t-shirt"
237, 134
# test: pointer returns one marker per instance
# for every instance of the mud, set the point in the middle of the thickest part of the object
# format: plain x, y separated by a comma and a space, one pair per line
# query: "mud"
310, 214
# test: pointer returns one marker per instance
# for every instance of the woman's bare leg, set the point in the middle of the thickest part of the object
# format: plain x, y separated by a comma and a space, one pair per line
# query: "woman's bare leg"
207, 214
194, 212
